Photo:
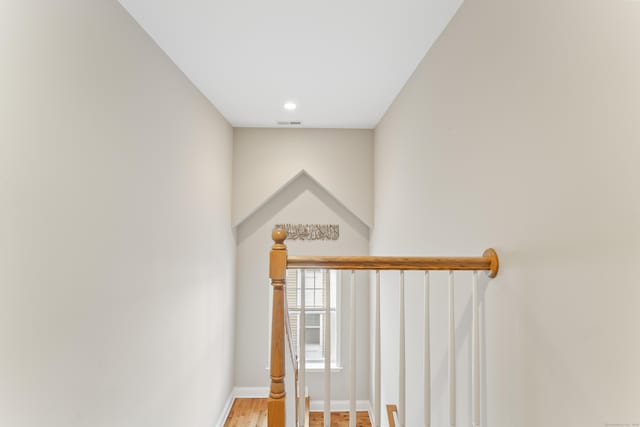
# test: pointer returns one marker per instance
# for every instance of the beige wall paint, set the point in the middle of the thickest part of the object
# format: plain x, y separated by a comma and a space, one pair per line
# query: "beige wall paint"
253, 315
333, 158
264, 160
116, 252
520, 130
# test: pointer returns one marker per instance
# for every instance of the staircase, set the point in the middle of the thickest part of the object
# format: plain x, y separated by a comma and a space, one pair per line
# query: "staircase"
282, 339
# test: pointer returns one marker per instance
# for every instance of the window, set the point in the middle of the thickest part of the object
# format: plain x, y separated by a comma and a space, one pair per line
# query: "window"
316, 284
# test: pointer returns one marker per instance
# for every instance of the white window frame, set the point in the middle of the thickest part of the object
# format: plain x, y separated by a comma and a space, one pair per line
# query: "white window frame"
318, 366
334, 280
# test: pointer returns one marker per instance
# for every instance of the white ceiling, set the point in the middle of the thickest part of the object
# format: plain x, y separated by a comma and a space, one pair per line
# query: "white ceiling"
342, 62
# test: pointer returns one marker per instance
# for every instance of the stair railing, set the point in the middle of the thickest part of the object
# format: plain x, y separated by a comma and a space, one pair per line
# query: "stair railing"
295, 361
280, 261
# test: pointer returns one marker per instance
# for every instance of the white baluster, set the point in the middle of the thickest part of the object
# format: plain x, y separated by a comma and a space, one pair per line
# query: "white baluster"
475, 362
327, 355
352, 353
377, 398
427, 352
401, 371
452, 355
302, 346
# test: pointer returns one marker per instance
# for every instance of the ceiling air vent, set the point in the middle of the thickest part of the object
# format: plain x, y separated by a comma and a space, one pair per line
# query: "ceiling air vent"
296, 123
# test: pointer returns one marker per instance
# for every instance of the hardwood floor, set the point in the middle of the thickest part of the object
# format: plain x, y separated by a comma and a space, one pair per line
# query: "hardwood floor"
339, 419
253, 413
248, 413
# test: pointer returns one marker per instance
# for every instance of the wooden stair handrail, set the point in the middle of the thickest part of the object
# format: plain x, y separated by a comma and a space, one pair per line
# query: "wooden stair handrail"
292, 353
279, 261
287, 324
488, 261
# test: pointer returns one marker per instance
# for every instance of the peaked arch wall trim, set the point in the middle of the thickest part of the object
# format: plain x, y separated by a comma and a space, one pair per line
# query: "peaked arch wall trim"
301, 183
265, 161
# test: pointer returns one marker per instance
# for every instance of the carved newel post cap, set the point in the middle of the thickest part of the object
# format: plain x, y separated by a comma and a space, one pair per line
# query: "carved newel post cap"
279, 235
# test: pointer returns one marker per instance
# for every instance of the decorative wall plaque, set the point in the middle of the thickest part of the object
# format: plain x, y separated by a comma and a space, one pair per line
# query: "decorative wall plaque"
311, 231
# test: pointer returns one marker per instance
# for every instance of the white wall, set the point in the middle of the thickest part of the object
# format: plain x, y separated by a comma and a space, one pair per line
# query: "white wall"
116, 255
302, 201
266, 159
520, 130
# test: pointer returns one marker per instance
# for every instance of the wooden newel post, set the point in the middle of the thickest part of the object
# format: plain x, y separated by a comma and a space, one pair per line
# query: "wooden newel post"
277, 273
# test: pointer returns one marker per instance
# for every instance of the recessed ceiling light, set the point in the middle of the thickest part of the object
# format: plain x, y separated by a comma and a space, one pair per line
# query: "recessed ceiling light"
290, 106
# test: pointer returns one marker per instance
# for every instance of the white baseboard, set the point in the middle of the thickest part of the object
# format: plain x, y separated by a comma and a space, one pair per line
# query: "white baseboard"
371, 418
225, 410
250, 392
241, 392
339, 406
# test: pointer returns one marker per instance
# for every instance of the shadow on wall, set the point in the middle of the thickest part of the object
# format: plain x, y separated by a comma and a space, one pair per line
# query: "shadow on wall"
300, 183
